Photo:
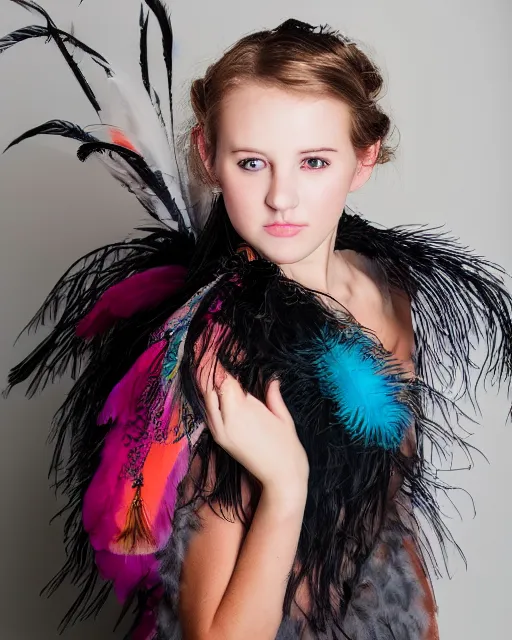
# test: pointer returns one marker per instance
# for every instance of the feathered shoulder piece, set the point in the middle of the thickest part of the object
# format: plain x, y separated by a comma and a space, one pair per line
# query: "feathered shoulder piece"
460, 301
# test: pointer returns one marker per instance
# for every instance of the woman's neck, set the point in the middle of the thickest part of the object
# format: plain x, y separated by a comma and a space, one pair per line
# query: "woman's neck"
327, 271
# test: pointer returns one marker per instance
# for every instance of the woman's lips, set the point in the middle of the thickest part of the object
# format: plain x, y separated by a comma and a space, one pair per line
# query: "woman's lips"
284, 230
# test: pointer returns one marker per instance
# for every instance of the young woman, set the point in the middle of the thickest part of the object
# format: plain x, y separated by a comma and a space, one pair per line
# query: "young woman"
251, 427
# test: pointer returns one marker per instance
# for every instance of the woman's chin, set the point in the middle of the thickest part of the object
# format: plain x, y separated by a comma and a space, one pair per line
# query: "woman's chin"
286, 253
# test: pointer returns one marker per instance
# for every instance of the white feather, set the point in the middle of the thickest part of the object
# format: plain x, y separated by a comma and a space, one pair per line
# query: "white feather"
129, 109
123, 172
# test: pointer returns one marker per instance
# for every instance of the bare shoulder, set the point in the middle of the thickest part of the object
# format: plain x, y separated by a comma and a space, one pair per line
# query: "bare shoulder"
396, 328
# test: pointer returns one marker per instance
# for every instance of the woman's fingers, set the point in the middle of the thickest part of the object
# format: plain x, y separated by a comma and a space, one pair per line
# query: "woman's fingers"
210, 373
230, 396
274, 401
213, 411
221, 392
222, 403
207, 377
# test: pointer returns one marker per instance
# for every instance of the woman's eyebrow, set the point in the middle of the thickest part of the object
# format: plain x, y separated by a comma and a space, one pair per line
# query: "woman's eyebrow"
321, 149
251, 150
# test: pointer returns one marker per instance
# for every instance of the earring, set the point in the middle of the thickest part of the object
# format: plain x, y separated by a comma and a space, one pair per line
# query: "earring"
216, 190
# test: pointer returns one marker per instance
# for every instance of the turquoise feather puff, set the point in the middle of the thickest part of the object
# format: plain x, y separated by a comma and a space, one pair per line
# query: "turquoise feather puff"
366, 387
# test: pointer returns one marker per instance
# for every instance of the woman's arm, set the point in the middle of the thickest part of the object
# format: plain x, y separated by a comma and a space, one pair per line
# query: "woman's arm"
234, 587
233, 583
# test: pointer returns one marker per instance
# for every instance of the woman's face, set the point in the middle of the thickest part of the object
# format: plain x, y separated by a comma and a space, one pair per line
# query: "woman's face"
285, 163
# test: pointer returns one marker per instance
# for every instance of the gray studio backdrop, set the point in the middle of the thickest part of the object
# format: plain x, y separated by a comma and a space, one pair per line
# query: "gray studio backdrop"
449, 91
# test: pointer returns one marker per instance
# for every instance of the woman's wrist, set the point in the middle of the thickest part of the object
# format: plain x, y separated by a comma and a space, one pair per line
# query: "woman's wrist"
286, 498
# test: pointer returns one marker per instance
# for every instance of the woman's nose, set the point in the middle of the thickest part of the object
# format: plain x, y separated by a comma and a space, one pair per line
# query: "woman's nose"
283, 193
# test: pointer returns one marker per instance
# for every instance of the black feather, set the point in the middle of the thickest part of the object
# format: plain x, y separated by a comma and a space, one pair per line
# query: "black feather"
153, 95
143, 23
261, 339
160, 11
19, 35
96, 366
55, 128
39, 31
55, 34
459, 301
152, 179
164, 22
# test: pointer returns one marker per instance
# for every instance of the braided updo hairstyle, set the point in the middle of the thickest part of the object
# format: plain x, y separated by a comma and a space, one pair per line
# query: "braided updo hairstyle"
298, 57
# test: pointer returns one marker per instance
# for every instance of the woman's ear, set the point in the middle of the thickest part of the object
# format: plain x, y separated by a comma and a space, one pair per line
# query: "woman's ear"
202, 148
365, 164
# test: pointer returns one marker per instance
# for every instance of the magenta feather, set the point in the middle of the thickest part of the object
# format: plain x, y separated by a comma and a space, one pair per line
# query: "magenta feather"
138, 292
122, 407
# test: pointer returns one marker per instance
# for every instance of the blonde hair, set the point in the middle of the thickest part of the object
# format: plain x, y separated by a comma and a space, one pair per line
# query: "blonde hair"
298, 57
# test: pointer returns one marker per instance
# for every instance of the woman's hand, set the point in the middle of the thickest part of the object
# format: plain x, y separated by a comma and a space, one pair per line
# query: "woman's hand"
259, 435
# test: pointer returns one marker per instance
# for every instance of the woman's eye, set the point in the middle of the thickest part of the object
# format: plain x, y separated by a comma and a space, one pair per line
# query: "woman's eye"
252, 164
316, 163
